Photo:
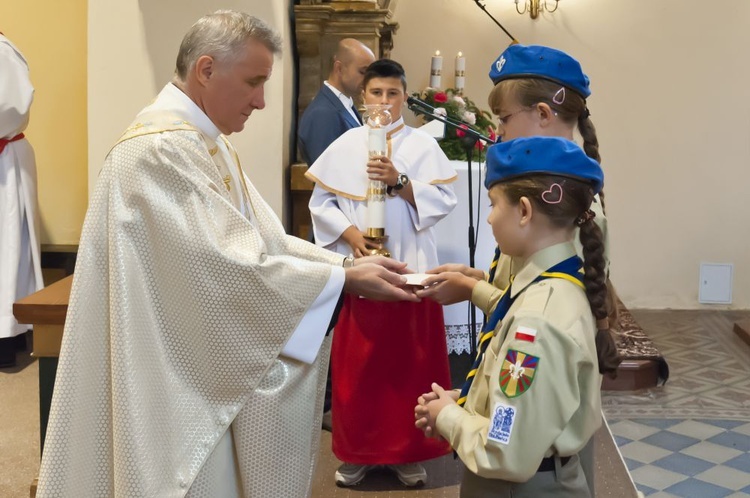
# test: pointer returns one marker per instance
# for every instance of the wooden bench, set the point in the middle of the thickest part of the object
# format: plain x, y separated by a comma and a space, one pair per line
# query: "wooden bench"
46, 310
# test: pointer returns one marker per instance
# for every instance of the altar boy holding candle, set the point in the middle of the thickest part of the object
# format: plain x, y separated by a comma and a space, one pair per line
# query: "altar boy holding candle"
383, 355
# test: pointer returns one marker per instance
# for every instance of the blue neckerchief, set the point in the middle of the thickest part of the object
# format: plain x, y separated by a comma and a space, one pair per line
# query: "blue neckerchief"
570, 268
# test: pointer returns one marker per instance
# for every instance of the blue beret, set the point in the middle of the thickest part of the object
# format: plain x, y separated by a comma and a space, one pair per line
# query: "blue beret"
535, 61
541, 155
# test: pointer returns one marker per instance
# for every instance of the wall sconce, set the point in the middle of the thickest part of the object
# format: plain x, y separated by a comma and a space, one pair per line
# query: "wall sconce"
533, 7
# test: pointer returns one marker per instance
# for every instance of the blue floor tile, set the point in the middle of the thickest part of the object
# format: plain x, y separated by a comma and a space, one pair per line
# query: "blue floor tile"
646, 490
741, 462
670, 440
622, 441
694, 488
724, 424
732, 440
683, 464
659, 423
632, 464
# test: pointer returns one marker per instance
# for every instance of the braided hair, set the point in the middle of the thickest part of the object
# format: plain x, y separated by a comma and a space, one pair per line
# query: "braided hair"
574, 210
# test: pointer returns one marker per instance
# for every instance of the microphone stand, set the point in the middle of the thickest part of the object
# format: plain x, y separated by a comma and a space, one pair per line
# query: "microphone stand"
469, 141
481, 6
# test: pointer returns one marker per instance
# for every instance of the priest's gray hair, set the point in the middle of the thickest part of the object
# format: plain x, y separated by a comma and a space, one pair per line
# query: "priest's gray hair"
223, 35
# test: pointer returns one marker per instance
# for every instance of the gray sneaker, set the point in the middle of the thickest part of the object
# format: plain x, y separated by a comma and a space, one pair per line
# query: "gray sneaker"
410, 474
351, 474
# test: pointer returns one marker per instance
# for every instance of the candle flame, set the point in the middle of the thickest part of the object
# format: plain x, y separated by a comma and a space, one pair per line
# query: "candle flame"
437, 52
460, 54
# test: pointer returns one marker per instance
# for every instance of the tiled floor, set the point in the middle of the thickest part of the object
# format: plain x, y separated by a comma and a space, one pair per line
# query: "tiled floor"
691, 437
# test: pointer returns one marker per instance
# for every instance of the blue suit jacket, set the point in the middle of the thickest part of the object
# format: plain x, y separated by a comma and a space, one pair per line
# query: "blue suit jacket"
324, 120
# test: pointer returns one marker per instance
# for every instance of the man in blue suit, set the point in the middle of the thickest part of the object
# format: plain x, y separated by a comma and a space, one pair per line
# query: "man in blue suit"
332, 111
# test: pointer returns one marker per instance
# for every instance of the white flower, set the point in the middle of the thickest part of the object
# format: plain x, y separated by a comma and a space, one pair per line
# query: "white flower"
460, 101
440, 111
469, 117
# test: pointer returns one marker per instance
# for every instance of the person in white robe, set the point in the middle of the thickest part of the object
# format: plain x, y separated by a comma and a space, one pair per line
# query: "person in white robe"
20, 260
384, 352
195, 346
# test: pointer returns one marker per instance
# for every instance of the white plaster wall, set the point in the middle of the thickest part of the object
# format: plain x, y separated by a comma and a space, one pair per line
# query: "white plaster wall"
670, 102
132, 50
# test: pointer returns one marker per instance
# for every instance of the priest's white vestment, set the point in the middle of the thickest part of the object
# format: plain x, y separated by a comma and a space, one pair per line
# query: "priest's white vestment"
20, 263
176, 375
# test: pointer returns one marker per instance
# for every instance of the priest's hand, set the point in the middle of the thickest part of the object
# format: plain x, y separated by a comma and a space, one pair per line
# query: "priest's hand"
356, 240
448, 287
466, 270
374, 281
381, 168
388, 263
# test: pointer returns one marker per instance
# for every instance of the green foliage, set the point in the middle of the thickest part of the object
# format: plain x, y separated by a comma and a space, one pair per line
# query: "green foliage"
462, 109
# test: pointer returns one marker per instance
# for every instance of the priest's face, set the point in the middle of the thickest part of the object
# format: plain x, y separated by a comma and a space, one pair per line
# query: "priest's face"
386, 91
234, 88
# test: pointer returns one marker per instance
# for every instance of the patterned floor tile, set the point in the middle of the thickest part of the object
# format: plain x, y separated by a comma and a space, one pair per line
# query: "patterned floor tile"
743, 429
696, 429
683, 464
739, 494
693, 488
644, 453
655, 477
734, 440
711, 452
670, 441
742, 462
724, 424
632, 430
721, 475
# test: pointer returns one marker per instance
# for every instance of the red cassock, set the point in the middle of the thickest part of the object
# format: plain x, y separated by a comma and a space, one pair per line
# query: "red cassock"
384, 356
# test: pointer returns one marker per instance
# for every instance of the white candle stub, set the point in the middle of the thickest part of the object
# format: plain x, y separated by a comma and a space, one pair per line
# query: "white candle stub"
460, 71
436, 67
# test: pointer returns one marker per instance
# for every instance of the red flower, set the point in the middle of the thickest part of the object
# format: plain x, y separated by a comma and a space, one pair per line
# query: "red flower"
493, 135
441, 97
479, 145
460, 133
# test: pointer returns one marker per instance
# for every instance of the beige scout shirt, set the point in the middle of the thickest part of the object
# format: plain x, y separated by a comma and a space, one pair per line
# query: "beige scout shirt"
505, 436
486, 294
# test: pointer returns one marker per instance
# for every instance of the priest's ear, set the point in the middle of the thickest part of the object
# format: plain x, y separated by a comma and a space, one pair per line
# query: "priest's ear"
204, 68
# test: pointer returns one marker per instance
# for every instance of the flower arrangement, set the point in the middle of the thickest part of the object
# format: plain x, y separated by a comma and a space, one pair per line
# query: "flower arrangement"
450, 104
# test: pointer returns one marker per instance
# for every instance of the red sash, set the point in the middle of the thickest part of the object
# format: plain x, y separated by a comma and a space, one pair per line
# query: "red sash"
6, 141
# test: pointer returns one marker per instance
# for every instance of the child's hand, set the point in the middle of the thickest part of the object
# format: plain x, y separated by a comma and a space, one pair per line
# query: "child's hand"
448, 288
457, 267
429, 407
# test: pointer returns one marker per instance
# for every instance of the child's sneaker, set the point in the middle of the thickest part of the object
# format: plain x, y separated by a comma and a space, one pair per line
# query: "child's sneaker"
351, 474
410, 474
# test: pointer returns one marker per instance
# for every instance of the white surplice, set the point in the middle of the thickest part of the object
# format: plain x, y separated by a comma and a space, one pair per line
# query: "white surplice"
339, 197
20, 262
174, 376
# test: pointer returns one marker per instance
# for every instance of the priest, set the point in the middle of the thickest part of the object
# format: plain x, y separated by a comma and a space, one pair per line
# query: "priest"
195, 347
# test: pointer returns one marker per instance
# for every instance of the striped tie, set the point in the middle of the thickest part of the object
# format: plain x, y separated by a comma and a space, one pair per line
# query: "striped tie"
570, 270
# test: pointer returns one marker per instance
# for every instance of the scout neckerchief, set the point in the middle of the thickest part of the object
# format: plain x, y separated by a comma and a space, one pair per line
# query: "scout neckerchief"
568, 270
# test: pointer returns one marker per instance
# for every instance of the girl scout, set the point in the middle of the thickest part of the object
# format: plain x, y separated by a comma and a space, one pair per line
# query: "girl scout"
533, 400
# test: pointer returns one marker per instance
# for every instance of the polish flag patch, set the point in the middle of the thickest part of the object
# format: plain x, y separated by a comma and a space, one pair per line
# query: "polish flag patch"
526, 334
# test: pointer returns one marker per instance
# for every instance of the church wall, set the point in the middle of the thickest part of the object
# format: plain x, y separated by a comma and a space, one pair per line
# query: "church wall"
670, 104
52, 36
132, 50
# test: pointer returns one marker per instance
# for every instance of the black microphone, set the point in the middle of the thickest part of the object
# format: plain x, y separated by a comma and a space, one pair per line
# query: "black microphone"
413, 101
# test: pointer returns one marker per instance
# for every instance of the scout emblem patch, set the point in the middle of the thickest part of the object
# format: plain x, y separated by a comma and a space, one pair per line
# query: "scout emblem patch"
501, 425
517, 373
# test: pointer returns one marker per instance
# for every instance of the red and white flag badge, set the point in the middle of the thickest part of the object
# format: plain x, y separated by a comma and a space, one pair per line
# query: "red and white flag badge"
526, 334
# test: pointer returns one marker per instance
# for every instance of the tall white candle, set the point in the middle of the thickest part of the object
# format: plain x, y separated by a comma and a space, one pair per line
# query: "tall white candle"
436, 67
378, 146
460, 69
